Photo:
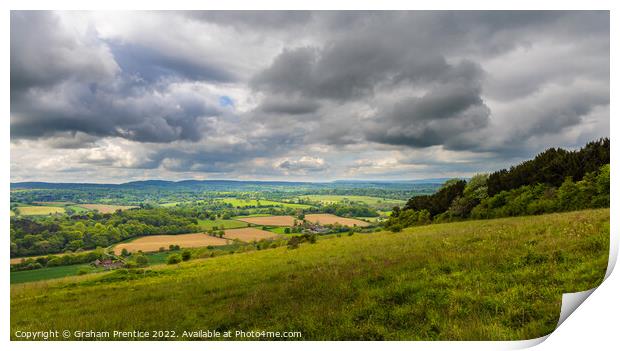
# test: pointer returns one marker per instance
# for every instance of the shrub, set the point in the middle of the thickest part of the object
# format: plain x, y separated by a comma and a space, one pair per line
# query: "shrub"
287, 230
83, 270
174, 259
293, 243
142, 260
396, 228
124, 252
186, 255
162, 249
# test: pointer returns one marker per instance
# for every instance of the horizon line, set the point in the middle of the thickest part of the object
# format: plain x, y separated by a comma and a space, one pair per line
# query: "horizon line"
247, 181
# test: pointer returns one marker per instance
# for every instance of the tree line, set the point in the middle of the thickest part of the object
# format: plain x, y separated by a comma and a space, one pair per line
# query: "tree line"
41, 236
555, 180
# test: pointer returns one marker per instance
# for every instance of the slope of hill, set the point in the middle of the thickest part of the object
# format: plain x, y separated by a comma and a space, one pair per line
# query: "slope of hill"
496, 279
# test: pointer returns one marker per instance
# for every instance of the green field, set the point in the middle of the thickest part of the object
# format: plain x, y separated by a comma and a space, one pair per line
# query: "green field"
40, 210
369, 200
277, 230
47, 273
207, 224
170, 204
498, 279
78, 209
236, 202
71, 270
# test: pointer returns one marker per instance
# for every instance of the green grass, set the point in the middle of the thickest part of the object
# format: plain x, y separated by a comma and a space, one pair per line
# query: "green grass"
72, 270
207, 224
499, 279
255, 203
48, 273
78, 209
371, 219
170, 204
277, 230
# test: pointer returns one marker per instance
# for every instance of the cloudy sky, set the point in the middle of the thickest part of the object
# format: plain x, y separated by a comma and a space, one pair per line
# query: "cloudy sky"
121, 96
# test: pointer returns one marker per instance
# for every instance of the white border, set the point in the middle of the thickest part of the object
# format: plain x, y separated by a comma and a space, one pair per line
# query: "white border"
594, 324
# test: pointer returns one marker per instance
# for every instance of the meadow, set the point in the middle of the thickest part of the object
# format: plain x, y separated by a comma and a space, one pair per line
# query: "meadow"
48, 273
499, 279
285, 221
208, 224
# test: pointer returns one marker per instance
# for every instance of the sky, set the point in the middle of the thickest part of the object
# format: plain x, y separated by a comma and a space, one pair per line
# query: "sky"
111, 97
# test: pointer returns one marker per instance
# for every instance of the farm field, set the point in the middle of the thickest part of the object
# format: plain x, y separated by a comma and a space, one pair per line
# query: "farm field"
248, 234
227, 223
370, 200
77, 209
40, 210
41, 274
498, 279
325, 218
277, 230
371, 219
154, 242
52, 203
49, 273
105, 208
256, 203
285, 221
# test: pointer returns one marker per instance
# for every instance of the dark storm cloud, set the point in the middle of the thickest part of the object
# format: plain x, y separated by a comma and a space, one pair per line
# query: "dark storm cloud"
63, 83
481, 82
289, 106
150, 116
438, 117
43, 54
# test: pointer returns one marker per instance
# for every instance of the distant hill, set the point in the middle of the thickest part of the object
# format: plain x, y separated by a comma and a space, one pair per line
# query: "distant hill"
224, 184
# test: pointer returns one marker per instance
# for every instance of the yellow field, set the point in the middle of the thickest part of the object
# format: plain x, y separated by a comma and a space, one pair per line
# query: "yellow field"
286, 221
248, 234
40, 210
154, 242
325, 218
105, 208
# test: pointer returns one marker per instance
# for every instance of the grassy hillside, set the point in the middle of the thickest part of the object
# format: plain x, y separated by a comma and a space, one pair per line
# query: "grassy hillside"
478, 280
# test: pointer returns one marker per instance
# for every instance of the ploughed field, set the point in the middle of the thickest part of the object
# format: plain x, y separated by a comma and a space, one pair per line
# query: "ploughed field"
285, 221
332, 219
248, 234
154, 242
499, 279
